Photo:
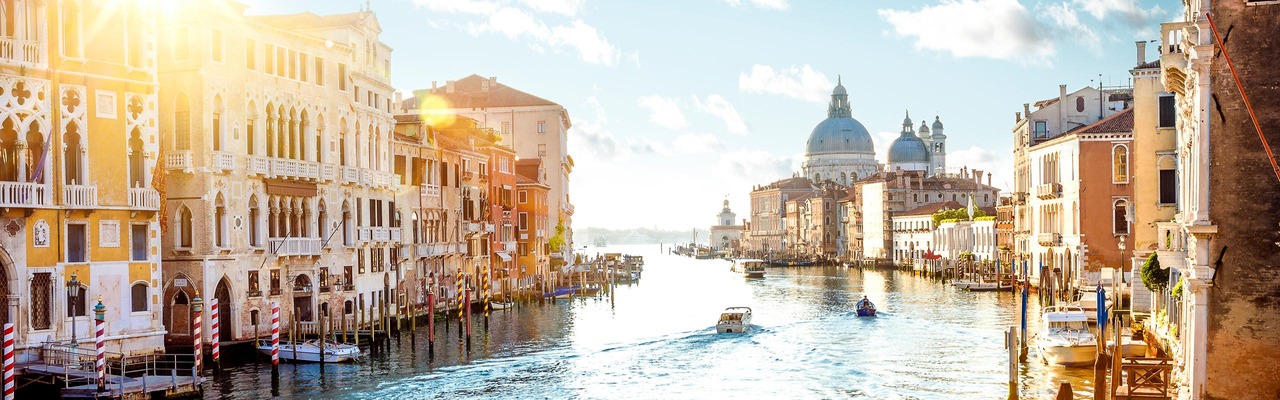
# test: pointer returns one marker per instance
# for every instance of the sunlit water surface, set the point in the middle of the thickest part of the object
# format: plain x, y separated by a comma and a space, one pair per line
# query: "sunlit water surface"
657, 339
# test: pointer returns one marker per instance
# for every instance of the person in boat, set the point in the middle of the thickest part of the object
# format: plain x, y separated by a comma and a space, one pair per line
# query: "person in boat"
864, 303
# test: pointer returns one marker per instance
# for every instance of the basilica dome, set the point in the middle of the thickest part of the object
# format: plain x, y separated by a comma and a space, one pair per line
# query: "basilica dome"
839, 133
908, 148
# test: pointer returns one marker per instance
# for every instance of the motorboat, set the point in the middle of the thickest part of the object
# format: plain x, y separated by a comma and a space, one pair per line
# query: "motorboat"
866, 308
499, 305
749, 267
309, 351
734, 320
1064, 337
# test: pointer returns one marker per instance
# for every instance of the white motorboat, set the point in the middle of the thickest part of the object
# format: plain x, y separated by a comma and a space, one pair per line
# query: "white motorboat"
734, 320
499, 305
309, 351
749, 267
1064, 337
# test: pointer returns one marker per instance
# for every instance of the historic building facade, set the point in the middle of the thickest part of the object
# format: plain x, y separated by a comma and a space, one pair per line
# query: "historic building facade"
839, 149
276, 134
78, 148
726, 234
767, 230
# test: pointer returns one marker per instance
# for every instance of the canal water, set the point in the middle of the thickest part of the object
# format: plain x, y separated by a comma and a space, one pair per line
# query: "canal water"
657, 339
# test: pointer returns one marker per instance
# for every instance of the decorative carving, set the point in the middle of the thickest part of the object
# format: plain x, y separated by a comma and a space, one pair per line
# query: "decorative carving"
13, 227
109, 233
40, 234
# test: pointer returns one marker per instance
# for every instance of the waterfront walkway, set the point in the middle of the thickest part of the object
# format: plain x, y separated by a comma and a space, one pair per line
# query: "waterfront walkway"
142, 376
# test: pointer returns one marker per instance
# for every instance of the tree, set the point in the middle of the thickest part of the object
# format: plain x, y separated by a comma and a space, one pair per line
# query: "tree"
1154, 277
557, 241
954, 214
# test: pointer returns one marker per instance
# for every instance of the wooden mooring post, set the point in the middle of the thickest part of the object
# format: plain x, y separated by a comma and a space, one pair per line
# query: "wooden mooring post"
1011, 343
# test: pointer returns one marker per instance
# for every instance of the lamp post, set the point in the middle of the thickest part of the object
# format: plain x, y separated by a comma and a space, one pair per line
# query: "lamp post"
73, 292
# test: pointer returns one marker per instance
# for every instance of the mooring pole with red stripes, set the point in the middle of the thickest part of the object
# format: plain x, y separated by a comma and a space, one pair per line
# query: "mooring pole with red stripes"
213, 332
8, 362
100, 329
197, 309
431, 323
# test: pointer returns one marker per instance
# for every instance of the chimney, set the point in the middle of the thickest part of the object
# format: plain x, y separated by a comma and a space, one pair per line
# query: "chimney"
977, 176
484, 85
1142, 51
399, 101
448, 86
1017, 116
1062, 107
433, 85
493, 80
988, 179
1026, 110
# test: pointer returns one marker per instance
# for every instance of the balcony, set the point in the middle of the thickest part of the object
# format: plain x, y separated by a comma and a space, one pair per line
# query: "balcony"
21, 52
1047, 191
1173, 39
253, 293
275, 291
567, 208
350, 175
223, 162
487, 227
295, 246
146, 199
1049, 239
347, 287
364, 235
258, 165
328, 172
80, 196
180, 160
381, 234
294, 169
472, 227
24, 195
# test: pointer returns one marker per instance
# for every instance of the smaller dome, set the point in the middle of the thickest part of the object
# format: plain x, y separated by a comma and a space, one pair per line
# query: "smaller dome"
839, 90
937, 123
924, 128
908, 148
907, 121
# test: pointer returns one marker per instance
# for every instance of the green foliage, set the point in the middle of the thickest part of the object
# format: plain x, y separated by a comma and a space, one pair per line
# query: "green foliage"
959, 214
1177, 289
557, 241
1154, 277
986, 218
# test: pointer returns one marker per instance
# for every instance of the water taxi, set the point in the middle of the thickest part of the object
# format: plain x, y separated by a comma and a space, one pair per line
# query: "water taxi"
734, 320
309, 351
1064, 337
749, 267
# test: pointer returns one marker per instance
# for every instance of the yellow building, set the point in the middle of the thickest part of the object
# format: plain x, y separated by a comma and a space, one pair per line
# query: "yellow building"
78, 143
1154, 156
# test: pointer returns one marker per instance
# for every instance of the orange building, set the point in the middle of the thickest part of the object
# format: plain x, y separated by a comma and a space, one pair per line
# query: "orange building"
532, 222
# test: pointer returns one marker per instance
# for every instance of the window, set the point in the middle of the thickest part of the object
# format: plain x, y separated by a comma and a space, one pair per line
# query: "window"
1080, 104
1167, 111
250, 47
522, 249
275, 281
506, 128
138, 239
342, 76
182, 124
542, 126
1168, 186
1121, 223
139, 295
255, 288
522, 196
254, 228
302, 67
542, 150
523, 221
269, 54
1120, 164
42, 300
1041, 129
215, 39
77, 307
319, 71
77, 243
184, 227
293, 64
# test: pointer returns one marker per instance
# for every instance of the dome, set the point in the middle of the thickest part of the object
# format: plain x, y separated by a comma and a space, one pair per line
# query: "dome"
924, 128
937, 123
908, 148
840, 135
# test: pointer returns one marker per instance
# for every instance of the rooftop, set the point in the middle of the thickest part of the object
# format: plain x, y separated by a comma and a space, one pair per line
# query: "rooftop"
1118, 122
475, 91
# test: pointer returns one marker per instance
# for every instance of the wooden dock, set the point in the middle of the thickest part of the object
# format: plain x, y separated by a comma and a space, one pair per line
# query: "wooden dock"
127, 377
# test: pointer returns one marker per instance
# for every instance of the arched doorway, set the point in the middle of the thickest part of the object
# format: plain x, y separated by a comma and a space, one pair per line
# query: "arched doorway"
180, 314
6, 265
302, 297
225, 313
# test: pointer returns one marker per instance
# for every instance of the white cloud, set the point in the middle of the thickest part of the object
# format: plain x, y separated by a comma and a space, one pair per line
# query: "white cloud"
1000, 29
769, 4
881, 140
696, 143
753, 166
1069, 21
664, 112
1128, 10
717, 105
800, 82
562, 7
522, 24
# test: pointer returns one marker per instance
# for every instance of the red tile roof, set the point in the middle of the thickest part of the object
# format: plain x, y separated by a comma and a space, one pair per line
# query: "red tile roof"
470, 92
1118, 122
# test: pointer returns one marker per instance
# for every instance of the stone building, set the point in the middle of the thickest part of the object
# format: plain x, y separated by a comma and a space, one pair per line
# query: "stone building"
814, 221
913, 233
1221, 245
533, 213
276, 134
768, 226
886, 194
725, 235
78, 148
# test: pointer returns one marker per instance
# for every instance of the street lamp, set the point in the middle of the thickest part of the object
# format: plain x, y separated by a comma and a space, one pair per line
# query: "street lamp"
74, 291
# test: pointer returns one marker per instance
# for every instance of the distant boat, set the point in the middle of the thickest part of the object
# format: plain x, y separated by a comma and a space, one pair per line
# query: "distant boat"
748, 267
309, 351
734, 320
866, 308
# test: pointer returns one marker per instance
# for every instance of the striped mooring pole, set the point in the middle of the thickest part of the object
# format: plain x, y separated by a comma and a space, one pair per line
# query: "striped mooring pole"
487, 295
213, 332
8, 362
100, 333
197, 309
275, 337
458, 294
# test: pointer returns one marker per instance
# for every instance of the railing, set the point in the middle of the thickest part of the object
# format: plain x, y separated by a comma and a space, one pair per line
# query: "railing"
223, 161
473, 227
24, 194
1146, 378
431, 190
282, 167
275, 291
80, 196
350, 175
487, 227
23, 52
364, 234
381, 234
253, 293
178, 160
297, 246
328, 172
144, 199
568, 208
1173, 37
1049, 190
395, 234
1049, 239
346, 287
258, 165
76, 367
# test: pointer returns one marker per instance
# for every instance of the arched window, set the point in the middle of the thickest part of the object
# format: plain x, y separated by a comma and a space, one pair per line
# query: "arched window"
138, 293
1120, 164
184, 227
251, 135
137, 168
72, 155
322, 220
1121, 223
10, 151
217, 123
182, 123
1080, 104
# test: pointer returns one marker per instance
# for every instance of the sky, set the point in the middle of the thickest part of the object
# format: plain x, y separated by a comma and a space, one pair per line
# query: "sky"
679, 105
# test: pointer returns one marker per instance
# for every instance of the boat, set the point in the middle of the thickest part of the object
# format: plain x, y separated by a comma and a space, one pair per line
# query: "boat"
499, 305
1064, 337
734, 320
866, 308
749, 267
309, 351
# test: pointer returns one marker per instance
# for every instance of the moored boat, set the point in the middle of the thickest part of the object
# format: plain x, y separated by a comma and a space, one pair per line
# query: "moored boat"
749, 267
866, 308
309, 351
1064, 337
734, 320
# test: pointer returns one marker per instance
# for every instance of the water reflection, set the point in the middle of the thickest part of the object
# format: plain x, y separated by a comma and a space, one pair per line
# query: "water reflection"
657, 339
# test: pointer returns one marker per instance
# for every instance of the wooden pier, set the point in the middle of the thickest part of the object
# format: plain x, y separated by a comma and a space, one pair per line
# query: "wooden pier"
127, 377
